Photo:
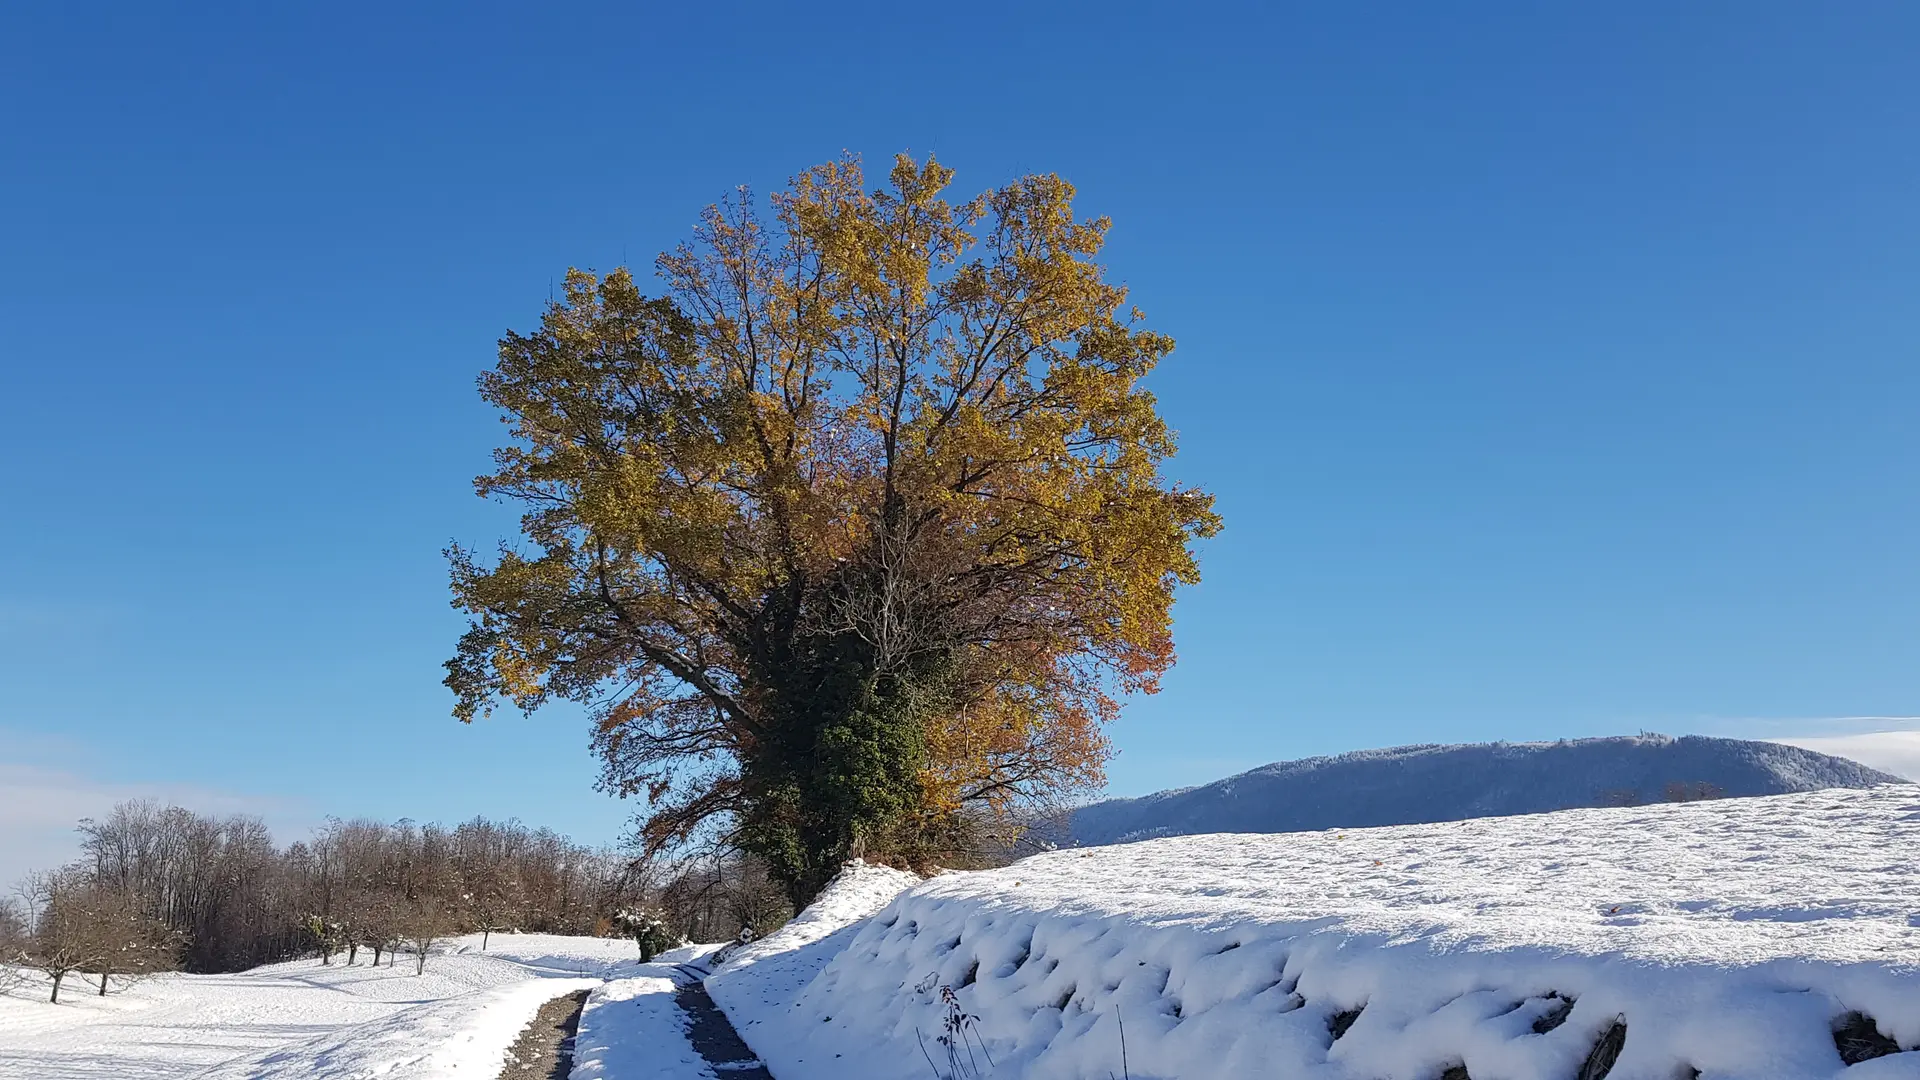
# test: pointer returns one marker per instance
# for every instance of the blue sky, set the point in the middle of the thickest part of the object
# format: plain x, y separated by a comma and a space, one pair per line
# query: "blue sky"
1554, 366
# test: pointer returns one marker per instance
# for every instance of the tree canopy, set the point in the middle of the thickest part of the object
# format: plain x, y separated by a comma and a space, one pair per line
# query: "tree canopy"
859, 523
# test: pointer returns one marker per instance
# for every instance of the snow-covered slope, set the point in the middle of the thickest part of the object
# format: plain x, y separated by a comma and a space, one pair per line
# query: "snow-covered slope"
1411, 784
302, 1019
633, 1029
764, 977
1723, 940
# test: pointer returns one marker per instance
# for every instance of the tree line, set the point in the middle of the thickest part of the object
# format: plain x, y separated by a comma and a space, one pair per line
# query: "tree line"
162, 888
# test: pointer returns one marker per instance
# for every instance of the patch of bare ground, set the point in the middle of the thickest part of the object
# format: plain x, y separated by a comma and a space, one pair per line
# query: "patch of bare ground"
544, 1050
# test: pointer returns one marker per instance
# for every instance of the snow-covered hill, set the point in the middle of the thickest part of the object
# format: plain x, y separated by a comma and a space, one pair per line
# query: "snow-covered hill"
1740, 939
1411, 784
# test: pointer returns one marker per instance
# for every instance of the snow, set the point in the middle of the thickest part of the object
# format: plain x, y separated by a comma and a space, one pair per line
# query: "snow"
305, 1019
1723, 939
632, 1030
460, 1037
768, 973
1727, 936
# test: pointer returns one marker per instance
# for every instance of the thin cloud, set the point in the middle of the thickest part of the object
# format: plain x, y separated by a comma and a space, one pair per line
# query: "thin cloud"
1780, 728
41, 805
1886, 742
1896, 752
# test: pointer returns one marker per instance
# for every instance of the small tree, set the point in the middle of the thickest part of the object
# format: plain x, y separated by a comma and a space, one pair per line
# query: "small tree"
65, 936
649, 930
13, 942
130, 941
379, 927
752, 897
328, 935
13, 930
490, 893
427, 923
350, 939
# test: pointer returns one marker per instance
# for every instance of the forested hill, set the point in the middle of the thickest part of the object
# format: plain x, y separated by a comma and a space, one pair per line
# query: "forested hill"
1411, 784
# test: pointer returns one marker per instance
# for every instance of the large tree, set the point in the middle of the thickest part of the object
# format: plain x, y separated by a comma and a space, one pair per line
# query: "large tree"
859, 523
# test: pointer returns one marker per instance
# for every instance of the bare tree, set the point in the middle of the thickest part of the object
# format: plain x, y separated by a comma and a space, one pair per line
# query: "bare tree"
13, 929
379, 924
65, 937
13, 942
129, 941
427, 924
487, 858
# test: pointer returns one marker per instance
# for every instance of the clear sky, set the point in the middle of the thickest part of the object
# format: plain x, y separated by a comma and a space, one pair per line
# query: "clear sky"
1555, 365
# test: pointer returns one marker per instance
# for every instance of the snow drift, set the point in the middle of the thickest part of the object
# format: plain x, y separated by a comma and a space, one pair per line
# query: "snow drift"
763, 977
1412, 784
1752, 939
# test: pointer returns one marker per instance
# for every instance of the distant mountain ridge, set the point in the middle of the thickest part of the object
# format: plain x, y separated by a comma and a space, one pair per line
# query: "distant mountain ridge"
1406, 785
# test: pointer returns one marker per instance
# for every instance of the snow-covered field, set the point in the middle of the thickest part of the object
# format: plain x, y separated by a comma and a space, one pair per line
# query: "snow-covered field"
1722, 940
302, 1019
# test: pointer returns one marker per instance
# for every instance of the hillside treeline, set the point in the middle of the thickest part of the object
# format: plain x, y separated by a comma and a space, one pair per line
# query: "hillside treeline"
162, 887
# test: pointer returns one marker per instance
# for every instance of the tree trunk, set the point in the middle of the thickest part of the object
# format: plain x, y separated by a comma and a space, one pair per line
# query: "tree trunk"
57, 976
420, 962
353, 949
103, 984
484, 932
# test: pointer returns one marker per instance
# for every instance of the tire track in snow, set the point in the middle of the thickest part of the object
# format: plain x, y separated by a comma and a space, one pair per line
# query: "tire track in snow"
711, 1033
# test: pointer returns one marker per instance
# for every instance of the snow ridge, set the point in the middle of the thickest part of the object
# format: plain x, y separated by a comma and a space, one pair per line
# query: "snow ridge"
1725, 940
761, 979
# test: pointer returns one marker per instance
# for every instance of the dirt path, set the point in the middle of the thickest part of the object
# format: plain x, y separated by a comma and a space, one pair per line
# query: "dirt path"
712, 1034
544, 1051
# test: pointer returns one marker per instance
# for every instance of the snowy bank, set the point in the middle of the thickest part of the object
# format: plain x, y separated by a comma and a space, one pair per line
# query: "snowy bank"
763, 977
1724, 940
306, 1019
